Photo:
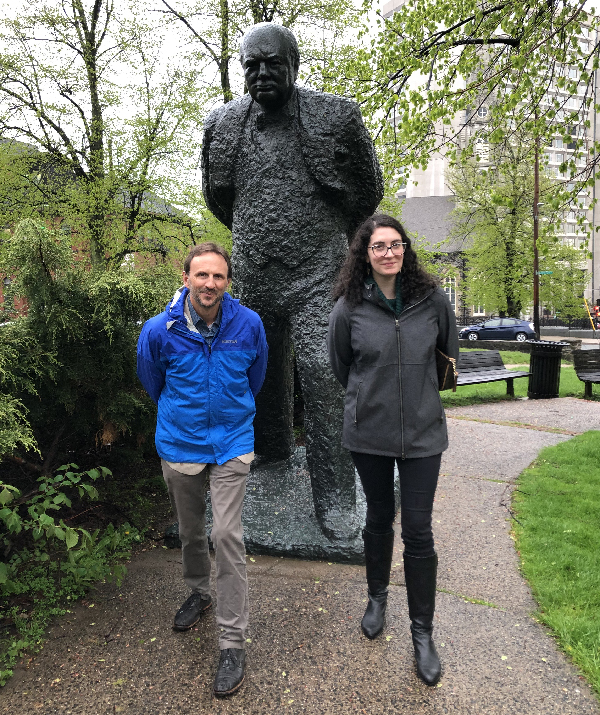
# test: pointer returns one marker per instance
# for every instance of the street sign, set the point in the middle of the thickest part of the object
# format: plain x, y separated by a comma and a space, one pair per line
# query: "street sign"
544, 273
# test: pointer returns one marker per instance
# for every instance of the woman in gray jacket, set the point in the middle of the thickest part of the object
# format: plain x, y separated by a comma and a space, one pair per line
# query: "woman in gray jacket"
389, 318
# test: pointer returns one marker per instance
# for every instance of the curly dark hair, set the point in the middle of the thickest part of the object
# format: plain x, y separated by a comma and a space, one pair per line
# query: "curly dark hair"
415, 279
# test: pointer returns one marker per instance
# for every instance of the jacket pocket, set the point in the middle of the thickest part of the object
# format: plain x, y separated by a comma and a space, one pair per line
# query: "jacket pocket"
437, 392
356, 403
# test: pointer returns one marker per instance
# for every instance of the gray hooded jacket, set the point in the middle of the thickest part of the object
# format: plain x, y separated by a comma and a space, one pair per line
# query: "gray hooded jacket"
387, 366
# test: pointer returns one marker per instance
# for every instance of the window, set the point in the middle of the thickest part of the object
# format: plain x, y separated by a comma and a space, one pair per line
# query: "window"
558, 143
560, 157
449, 286
478, 310
482, 112
482, 149
493, 323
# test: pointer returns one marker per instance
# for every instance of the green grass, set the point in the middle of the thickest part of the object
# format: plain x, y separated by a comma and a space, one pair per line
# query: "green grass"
558, 537
570, 386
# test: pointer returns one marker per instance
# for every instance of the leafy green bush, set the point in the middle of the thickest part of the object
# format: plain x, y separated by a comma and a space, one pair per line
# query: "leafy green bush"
67, 372
68, 390
47, 561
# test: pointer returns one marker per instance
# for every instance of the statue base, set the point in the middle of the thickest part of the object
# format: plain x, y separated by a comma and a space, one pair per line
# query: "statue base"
279, 515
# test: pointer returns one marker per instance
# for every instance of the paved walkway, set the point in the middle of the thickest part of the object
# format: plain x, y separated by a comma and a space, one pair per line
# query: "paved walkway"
116, 652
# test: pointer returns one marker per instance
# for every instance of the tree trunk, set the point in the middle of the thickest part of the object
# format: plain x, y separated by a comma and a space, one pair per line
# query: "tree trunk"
90, 44
513, 304
224, 63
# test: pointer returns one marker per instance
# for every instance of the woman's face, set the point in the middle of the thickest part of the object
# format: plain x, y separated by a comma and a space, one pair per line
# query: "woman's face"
391, 262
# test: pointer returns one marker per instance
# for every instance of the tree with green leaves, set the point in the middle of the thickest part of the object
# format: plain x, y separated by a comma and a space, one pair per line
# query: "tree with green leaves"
493, 218
68, 367
529, 65
98, 128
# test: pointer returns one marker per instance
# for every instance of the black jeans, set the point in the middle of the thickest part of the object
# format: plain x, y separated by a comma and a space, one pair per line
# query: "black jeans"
418, 482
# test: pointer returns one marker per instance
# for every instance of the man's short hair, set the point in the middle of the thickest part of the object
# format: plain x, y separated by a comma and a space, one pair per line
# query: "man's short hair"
207, 247
284, 32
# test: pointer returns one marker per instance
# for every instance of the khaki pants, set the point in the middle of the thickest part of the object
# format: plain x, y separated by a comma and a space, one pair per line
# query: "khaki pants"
188, 498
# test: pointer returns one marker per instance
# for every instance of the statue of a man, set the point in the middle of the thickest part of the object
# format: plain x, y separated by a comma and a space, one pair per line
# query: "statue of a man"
293, 173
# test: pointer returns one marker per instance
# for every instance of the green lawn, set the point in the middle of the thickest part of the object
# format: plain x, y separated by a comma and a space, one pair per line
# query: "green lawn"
558, 538
570, 385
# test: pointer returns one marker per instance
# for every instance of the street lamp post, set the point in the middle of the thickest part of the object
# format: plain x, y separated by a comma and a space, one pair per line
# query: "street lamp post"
536, 262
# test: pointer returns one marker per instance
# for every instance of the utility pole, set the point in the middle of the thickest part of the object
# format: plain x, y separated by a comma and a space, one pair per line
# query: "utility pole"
536, 263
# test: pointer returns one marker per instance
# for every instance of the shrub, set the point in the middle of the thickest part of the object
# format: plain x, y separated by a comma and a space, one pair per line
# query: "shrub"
47, 561
68, 371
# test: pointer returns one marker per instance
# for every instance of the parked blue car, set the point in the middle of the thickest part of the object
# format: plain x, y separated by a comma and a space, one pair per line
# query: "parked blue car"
499, 329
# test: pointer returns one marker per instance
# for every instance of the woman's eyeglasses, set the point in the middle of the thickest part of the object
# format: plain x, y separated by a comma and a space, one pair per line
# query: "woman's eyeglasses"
380, 249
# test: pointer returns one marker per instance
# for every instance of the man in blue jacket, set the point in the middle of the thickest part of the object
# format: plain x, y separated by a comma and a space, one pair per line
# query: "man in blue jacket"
203, 361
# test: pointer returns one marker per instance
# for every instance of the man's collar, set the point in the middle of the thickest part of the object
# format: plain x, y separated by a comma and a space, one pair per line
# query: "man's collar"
196, 318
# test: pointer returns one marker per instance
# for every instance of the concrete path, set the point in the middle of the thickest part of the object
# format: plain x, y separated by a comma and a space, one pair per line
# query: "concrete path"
116, 652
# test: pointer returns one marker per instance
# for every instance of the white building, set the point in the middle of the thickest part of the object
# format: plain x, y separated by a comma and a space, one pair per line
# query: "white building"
431, 182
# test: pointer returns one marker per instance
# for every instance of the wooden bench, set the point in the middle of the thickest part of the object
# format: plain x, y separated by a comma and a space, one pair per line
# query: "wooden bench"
486, 366
587, 367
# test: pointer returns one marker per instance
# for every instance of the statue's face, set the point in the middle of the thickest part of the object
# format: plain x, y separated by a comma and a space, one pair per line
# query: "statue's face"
268, 68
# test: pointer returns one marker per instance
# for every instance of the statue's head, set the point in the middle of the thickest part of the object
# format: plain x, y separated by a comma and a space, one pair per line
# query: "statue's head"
270, 59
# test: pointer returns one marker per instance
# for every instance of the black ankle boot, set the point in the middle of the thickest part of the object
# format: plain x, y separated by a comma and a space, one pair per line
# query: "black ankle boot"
378, 559
420, 575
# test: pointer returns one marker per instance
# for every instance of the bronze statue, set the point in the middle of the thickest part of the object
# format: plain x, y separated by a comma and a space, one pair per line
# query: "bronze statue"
292, 172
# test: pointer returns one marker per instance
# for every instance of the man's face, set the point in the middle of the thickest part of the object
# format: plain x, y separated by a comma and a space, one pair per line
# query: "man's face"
207, 280
268, 69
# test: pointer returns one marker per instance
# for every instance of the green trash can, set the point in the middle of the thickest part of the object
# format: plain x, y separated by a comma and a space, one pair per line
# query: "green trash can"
544, 366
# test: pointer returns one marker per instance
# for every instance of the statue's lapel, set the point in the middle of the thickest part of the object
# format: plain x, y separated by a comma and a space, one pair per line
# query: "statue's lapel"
229, 131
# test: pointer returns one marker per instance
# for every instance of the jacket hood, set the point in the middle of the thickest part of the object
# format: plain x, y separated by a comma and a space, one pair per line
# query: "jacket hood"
175, 307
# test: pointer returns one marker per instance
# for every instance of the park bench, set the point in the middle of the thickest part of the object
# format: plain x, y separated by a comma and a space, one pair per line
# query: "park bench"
486, 366
587, 367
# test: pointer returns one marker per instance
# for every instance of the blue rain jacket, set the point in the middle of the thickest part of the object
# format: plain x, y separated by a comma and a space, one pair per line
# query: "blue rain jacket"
205, 395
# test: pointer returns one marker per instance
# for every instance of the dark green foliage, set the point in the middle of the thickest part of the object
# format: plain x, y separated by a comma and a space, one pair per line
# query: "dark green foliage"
69, 391
48, 560
76, 381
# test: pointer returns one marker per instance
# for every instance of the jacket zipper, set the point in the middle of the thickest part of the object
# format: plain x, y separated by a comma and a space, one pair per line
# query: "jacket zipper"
400, 388
397, 320
356, 404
